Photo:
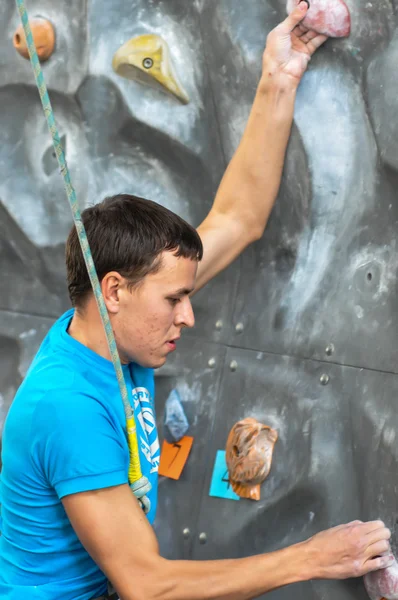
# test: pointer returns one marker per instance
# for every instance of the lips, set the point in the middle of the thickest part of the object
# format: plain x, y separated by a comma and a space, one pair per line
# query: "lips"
171, 344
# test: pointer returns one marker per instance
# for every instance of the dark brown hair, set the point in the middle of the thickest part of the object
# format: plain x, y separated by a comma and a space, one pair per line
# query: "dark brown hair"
127, 234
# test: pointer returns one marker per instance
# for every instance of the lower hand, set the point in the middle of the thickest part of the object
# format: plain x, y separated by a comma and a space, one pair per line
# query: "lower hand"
290, 46
351, 550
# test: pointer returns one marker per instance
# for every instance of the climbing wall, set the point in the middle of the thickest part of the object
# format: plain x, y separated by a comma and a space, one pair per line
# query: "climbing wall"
301, 332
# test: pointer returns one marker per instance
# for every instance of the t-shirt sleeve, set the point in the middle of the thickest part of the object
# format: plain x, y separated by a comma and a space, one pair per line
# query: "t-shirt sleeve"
78, 444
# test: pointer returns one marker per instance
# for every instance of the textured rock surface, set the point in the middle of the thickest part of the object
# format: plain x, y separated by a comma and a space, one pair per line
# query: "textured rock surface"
314, 300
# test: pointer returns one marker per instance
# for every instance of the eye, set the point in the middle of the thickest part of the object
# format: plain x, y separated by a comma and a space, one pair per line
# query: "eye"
174, 301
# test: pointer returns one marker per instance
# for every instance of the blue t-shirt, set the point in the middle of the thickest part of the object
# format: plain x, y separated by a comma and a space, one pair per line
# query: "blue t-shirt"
65, 433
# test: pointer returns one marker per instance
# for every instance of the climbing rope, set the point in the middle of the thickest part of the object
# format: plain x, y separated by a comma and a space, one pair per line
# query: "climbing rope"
138, 483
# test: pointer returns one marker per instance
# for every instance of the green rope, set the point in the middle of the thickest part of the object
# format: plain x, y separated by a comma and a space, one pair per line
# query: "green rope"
141, 486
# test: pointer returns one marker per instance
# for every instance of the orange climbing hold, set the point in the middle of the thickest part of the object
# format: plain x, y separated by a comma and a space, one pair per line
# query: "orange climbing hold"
249, 451
43, 37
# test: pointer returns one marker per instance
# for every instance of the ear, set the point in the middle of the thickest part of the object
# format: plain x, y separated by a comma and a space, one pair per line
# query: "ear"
111, 286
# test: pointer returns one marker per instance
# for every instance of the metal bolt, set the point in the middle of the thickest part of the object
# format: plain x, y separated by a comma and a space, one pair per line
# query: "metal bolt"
203, 538
324, 379
147, 63
212, 362
233, 366
329, 349
239, 328
219, 325
186, 533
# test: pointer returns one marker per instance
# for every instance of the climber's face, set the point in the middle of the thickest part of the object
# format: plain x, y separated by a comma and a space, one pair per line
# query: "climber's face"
148, 319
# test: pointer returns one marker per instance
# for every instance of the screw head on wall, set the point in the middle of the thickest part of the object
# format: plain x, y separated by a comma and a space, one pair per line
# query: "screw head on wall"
202, 538
329, 349
324, 379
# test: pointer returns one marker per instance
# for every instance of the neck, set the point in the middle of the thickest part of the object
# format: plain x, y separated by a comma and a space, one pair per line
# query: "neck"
86, 327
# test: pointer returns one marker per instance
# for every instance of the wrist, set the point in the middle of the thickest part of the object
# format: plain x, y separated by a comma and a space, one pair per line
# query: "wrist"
303, 562
312, 559
278, 94
273, 78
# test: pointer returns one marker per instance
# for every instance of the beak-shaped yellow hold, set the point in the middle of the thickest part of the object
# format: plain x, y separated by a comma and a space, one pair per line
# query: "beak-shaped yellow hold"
146, 59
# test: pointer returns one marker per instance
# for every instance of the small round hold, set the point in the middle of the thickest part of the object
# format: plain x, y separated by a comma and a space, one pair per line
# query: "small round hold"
202, 538
329, 349
239, 328
43, 36
219, 325
234, 365
147, 63
212, 363
324, 379
186, 533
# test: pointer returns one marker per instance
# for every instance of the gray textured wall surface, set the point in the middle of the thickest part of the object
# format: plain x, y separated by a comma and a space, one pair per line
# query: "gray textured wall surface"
317, 295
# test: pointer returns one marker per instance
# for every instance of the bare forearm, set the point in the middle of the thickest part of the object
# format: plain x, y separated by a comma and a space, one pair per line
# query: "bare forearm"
240, 579
250, 186
251, 183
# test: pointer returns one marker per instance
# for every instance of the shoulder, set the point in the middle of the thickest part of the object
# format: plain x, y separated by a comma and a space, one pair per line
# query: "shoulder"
71, 400
77, 442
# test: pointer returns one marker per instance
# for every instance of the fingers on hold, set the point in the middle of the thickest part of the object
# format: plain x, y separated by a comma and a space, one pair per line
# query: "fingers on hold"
300, 30
307, 37
377, 523
313, 45
374, 525
291, 22
382, 534
381, 562
379, 549
379, 536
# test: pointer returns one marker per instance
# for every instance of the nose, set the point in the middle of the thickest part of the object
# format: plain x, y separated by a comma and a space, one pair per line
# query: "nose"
184, 315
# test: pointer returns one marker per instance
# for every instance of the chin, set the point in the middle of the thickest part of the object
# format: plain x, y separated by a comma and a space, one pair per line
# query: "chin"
152, 363
159, 363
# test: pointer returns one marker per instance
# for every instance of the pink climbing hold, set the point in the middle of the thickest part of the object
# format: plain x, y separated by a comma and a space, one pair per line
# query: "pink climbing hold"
329, 17
383, 584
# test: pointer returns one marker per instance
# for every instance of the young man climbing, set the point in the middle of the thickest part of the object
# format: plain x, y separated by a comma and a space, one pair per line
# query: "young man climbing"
70, 520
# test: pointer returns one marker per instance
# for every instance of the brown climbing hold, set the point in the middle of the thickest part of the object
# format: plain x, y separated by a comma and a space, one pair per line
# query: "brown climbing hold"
249, 450
43, 37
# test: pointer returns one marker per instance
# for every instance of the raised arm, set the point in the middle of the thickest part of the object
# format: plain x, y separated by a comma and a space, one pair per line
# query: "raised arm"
116, 533
250, 185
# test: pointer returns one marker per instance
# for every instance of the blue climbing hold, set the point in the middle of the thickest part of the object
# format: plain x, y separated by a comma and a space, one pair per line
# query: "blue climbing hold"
175, 420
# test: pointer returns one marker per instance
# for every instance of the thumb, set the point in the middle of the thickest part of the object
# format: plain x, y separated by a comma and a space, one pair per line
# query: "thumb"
295, 17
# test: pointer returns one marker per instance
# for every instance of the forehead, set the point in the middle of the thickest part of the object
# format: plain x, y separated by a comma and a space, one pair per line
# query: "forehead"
175, 270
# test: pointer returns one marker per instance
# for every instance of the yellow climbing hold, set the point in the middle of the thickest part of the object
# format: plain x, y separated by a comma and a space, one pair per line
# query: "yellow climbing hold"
146, 59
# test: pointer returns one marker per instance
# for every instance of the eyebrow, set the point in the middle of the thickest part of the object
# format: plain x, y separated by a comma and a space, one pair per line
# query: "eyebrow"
182, 292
